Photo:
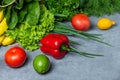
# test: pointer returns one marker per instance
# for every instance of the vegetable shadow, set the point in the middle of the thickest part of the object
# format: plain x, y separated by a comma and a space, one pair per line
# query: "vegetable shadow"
92, 26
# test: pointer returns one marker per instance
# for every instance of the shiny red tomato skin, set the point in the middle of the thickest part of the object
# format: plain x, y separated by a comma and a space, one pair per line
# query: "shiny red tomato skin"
15, 57
80, 22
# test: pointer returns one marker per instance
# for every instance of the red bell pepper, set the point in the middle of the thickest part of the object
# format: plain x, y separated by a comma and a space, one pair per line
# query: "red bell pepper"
57, 45
52, 44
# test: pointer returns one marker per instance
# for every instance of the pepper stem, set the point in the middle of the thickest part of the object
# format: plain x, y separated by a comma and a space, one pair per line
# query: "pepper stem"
72, 49
64, 48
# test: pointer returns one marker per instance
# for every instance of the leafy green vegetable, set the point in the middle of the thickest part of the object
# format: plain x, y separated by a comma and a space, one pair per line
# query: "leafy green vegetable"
33, 13
66, 8
11, 12
7, 13
19, 4
101, 7
21, 15
28, 36
28, 1
4, 2
19, 11
94, 7
30, 22
13, 19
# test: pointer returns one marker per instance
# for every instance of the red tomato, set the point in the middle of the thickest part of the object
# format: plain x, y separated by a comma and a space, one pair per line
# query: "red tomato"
81, 22
15, 57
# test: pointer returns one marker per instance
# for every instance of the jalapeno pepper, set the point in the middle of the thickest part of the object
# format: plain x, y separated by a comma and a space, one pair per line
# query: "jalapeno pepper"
57, 45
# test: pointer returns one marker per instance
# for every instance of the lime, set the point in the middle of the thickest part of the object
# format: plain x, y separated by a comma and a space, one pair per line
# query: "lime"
41, 63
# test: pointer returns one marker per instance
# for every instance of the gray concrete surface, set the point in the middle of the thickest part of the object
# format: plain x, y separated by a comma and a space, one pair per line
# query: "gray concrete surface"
73, 66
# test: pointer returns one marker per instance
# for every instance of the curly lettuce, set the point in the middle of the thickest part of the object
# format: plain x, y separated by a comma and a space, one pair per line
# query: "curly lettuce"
28, 36
64, 9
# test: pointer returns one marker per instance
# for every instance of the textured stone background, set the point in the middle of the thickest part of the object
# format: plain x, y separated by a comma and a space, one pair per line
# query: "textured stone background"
73, 66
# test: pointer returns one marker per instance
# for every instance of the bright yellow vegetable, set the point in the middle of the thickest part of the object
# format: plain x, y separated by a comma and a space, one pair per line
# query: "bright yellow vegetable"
2, 38
3, 26
105, 23
7, 41
1, 15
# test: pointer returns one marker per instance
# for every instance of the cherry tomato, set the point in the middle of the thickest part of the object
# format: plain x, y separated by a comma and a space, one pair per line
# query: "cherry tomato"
15, 57
80, 22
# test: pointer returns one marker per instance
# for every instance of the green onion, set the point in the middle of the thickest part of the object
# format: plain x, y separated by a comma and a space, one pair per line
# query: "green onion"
66, 29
